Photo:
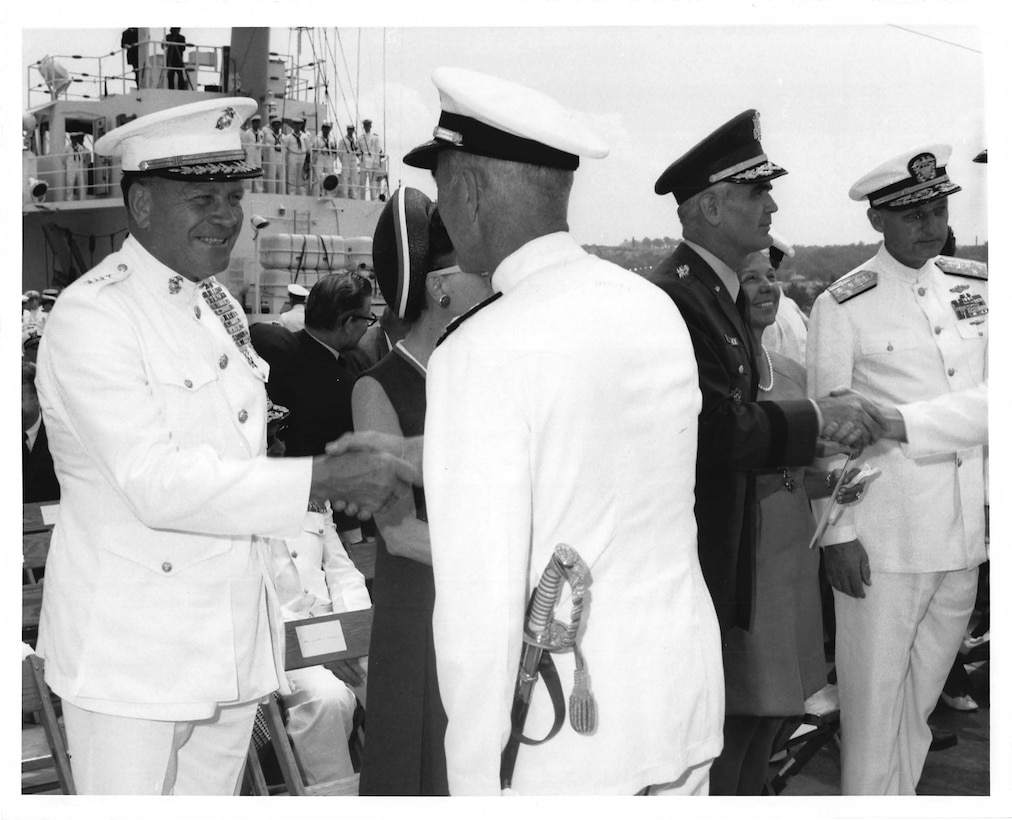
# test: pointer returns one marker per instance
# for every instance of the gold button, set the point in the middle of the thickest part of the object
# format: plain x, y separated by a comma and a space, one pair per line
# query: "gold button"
188, 383
959, 462
295, 554
319, 532
921, 291
938, 329
121, 267
166, 567
889, 346
196, 311
223, 361
243, 415
952, 371
741, 369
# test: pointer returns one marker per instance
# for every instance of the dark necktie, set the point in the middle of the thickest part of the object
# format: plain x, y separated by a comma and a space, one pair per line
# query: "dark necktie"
742, 304
217, 299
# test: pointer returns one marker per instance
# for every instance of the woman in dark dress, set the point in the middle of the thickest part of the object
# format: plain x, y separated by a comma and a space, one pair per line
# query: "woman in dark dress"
771, 669
414, 263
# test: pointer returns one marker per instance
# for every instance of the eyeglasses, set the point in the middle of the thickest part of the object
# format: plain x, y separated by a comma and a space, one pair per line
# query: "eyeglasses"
369, 320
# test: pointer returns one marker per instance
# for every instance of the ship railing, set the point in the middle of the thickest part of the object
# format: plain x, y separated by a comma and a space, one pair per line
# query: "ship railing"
322, 175
80, 77
71, 176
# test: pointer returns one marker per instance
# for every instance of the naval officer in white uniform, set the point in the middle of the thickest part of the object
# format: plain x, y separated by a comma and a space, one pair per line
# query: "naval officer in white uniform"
551, 418
159, 626
908, 328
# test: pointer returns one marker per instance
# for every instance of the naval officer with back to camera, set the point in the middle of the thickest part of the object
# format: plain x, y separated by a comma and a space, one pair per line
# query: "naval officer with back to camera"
159, 627
549, 419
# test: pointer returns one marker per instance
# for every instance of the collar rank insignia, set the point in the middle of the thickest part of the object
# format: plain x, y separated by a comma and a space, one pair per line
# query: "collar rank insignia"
736, 396
849, 286
682, 271
175, 284
466, 315
731, 340
959, 288
961, 267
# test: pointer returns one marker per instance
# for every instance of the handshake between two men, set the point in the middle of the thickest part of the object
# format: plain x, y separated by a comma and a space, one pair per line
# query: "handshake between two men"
362, 473
854, 421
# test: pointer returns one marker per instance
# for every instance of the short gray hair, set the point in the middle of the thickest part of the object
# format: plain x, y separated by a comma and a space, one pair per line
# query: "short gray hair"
539, 187
689, 212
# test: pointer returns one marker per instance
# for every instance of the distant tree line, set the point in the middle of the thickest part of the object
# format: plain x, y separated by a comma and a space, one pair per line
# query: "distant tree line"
802, 277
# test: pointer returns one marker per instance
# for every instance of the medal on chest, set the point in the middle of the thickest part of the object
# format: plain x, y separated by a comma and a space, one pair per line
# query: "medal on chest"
969, 305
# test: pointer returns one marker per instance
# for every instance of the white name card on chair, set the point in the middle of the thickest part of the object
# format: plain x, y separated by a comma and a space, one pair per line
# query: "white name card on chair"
49, 512
321, 638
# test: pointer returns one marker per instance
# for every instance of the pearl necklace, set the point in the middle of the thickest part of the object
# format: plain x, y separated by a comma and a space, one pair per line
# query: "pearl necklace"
769, 363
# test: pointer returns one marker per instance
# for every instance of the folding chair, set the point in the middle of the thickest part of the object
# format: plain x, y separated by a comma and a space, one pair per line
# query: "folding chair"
37, 700
311, 642
822, 714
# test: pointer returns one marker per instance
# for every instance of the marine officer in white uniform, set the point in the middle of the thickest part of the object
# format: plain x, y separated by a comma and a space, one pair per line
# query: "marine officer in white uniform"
159, 628
909, 329
551, 419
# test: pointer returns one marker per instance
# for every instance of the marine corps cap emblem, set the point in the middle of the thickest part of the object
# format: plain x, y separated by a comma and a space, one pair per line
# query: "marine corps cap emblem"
225, 120
682, 271
175, 284
922, 167
756, 133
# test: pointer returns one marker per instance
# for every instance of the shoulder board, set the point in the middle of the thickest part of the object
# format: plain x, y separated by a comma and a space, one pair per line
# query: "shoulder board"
849, 286
458, 321
116, 274
961, 267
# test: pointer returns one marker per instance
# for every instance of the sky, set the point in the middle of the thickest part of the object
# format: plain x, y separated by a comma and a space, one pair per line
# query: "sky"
835, 99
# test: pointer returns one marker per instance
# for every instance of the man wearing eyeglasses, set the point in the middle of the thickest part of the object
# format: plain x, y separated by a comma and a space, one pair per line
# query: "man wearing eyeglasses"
311, 374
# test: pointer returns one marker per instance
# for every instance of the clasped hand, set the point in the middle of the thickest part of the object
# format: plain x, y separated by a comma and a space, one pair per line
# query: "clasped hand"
361, 473
851, 419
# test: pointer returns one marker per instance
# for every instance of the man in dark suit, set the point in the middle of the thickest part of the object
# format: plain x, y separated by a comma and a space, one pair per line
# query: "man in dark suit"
311, 373
722, 186
38, 479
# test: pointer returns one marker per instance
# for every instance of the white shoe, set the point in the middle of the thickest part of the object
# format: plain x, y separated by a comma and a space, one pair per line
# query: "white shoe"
961, 703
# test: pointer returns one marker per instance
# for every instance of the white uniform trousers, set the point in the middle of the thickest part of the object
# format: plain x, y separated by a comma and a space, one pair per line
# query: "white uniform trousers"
295, 182
694, 782
321, 710
113, 755
274, 172
894, 649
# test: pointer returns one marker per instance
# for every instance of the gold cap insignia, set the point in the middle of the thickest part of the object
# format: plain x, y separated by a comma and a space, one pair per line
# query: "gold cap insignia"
225, 120
922, 167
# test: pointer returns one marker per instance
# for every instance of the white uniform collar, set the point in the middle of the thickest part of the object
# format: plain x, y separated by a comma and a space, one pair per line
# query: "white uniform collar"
723, 271
889, 265
158, 277
546, 251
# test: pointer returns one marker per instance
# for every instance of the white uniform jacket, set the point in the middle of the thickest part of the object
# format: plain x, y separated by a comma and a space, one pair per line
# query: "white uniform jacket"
313, 573
155, 600
903, 342
566, 412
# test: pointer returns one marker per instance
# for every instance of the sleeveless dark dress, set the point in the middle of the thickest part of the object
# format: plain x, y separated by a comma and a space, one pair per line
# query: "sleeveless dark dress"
405, 722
